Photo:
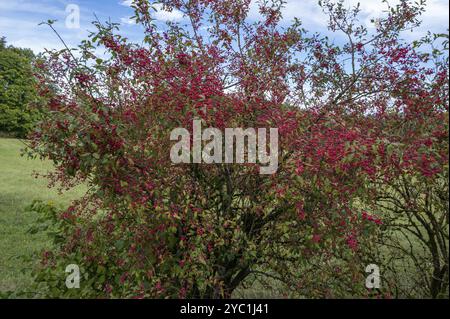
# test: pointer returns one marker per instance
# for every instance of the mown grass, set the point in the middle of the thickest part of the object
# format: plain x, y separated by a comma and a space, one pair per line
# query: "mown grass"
18, 188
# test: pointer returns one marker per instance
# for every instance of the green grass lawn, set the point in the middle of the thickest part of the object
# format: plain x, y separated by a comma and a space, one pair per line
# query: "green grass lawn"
18, 188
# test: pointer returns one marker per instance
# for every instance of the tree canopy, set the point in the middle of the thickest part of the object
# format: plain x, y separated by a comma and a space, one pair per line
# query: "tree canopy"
349, 116
17, 90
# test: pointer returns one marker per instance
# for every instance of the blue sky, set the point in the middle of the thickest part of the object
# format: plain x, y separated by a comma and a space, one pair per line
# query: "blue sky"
19, 19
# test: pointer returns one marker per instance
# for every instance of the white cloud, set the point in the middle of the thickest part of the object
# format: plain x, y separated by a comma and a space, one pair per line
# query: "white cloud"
163, 15
19, 19
160, 14
128, 20
31, 7
308, 11
435, 17
126, 3
436, 14
26, 33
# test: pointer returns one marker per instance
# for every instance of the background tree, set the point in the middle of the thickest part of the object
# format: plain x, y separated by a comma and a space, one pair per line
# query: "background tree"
17, 90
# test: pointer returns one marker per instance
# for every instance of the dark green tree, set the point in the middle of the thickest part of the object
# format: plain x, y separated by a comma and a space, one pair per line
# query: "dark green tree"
17, 90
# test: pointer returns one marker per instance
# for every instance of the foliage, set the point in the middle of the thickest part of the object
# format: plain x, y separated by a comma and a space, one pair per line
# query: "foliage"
17, 91
149, 228
415, 204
